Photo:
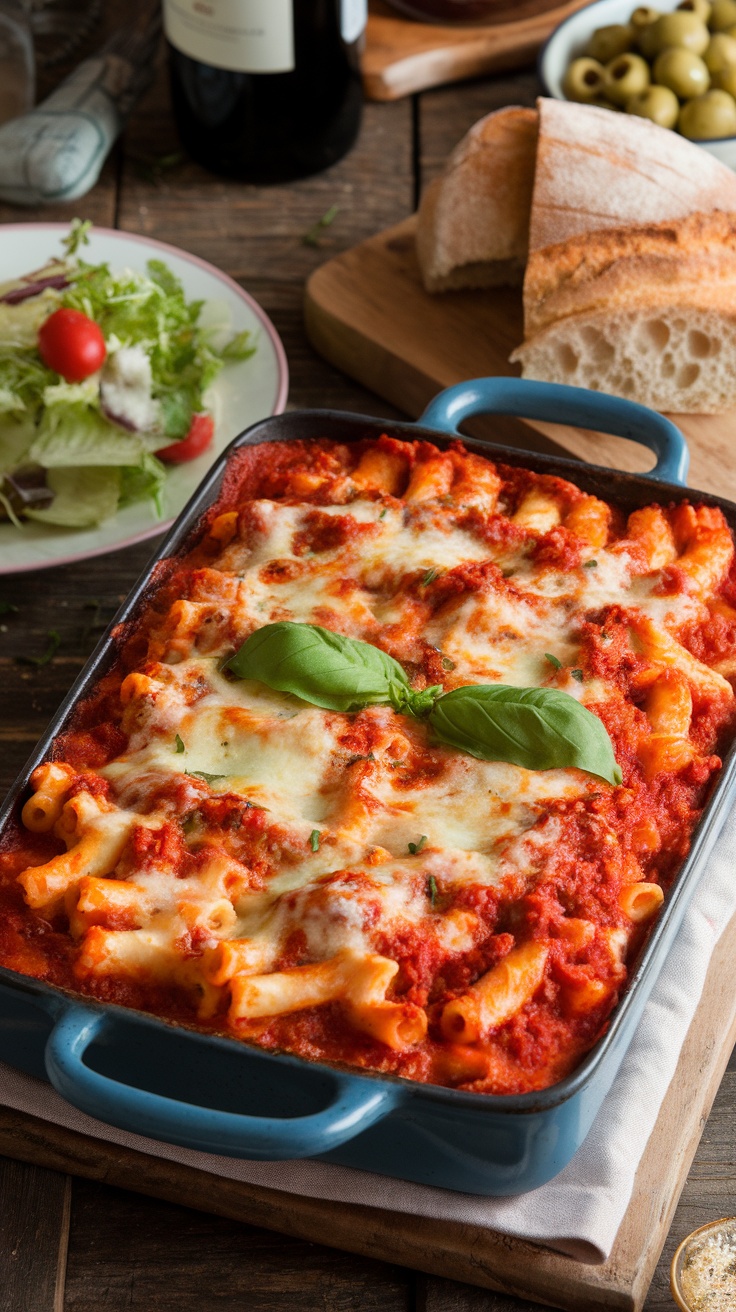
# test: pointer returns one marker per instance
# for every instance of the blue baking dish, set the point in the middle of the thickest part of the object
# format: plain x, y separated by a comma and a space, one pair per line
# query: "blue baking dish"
214, 1094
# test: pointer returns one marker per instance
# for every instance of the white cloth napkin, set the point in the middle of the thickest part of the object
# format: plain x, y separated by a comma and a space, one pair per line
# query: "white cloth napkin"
580, 1211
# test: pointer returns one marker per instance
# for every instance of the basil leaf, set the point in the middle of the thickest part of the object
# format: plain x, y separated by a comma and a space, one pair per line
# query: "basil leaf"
321, 667
205, 777
537, 728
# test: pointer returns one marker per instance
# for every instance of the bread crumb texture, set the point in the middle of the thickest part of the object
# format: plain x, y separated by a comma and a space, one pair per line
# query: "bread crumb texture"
675, 359
647, 313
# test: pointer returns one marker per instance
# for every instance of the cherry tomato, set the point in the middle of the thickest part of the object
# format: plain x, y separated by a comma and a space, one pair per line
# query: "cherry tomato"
199, 437
72, 345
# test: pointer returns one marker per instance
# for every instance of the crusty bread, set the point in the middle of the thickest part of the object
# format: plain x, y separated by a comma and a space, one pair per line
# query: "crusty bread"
629, 233
646, 312
595, 169
473, 223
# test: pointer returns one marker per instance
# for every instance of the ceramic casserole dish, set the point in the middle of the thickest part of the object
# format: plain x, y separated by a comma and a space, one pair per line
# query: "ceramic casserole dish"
214, 1094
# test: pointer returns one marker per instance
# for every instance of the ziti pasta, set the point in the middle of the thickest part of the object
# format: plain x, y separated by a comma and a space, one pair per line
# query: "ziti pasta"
393, 769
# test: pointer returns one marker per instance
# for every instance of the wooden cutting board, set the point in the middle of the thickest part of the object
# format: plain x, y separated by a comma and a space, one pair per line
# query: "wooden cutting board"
463, 1252
367, 312
402, 56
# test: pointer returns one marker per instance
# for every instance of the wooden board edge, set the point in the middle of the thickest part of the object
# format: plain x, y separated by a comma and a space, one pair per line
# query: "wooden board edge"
386, 80
679, 1128
442, 1248
356, 330
338, 342
462, 1252
407, 387
393, 65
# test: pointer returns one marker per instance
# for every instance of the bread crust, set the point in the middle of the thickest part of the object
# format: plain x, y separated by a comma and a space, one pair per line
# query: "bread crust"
691, 261
597, 170
473, 223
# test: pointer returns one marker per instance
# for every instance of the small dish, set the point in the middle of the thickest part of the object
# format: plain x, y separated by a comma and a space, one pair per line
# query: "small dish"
569, 39
703, 1271
245, 392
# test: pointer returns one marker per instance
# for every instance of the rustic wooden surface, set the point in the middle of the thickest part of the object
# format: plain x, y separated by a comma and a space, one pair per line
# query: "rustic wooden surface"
79, 1245
367, 312
403, 56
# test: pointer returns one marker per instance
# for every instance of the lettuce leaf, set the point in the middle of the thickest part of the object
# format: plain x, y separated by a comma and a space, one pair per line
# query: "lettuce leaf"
83, 498
145, 480
16, 437
76, 434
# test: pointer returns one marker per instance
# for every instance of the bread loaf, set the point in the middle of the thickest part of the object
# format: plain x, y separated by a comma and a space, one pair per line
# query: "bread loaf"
473, 224
645, 312
629, 236
595, 169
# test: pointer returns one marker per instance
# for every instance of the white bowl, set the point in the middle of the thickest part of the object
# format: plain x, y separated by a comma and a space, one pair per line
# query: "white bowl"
569, 40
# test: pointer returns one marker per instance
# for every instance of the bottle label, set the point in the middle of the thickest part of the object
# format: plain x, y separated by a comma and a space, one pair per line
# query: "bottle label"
244, 36
353, 18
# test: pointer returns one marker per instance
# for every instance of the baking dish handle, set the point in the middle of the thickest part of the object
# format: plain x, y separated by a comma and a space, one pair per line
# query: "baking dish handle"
556, 403
356, 1104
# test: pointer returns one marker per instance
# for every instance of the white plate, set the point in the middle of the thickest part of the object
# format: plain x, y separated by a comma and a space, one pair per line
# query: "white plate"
246, 391
569, 40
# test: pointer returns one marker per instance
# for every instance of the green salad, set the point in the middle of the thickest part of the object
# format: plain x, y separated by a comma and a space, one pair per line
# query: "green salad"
103, 383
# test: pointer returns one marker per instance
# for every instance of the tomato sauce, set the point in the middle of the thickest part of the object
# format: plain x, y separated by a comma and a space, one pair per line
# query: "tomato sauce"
569, 902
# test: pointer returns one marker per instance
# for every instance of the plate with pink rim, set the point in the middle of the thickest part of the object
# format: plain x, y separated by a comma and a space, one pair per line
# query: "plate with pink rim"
245, 391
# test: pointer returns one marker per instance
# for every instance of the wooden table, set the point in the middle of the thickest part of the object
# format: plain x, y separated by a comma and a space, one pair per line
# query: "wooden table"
73, 1245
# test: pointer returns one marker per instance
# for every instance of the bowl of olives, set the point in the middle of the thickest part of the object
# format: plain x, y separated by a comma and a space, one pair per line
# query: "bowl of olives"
673, 65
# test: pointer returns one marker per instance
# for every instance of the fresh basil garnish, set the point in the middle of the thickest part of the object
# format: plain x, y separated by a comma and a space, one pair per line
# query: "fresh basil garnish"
322, 667
537, 728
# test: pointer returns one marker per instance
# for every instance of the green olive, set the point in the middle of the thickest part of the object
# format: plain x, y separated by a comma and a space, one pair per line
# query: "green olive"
680, 29
681, 71
607, 43
700, 7
726, 80
642, 22
626, 77
584, 81
722, 15
656, 103
708, 117
643, 17
721, 53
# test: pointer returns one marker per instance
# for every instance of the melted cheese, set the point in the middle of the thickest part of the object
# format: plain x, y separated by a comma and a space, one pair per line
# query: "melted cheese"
476, 821
293, 841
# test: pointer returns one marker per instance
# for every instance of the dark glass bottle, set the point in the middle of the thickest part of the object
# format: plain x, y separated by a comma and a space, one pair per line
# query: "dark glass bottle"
265, 90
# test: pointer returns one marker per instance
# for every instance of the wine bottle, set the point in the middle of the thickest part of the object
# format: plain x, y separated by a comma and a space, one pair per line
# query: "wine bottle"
265, 90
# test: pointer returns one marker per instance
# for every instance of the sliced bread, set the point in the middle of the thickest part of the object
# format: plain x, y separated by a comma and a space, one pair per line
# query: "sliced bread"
473, 224
646, 312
